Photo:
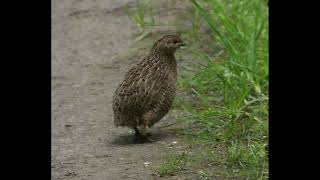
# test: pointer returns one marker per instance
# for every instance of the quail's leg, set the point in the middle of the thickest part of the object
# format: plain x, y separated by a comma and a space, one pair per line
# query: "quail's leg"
138, 133
145, 132
148, 119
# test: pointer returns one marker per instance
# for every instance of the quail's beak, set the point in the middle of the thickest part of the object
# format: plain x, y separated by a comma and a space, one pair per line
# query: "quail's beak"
182, 45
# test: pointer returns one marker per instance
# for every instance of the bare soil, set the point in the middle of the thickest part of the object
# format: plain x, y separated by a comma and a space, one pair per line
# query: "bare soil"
91, 43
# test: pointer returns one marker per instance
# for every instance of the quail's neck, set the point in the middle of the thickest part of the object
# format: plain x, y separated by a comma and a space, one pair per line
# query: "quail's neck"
162, 54
164, 57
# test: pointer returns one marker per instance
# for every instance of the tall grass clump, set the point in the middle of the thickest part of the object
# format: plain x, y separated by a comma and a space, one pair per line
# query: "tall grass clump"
232, 87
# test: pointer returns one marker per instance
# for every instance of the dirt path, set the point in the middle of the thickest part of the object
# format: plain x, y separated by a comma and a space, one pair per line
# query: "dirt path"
86, 38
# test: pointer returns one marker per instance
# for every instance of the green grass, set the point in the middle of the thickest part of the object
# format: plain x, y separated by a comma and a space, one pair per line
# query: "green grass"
239, 74
174, 163
142, 14
229, 87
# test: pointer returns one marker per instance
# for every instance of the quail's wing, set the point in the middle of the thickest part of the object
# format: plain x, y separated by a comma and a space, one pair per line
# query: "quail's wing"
132, 92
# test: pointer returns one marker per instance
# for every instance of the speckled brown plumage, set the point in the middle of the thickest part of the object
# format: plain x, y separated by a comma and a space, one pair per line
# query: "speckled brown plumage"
148, 89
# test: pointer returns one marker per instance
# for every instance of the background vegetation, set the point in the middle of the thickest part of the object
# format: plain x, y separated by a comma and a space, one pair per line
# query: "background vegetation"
227, 116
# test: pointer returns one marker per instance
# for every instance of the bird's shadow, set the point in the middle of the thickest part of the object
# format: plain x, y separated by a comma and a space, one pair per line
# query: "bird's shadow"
127, 139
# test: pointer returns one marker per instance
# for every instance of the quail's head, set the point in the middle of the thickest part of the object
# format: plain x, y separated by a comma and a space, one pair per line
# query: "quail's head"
169, 43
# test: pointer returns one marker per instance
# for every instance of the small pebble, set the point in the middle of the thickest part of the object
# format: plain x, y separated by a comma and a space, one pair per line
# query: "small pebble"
146, 164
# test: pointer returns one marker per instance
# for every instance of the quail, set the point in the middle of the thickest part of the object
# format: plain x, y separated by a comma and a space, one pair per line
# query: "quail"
148, 89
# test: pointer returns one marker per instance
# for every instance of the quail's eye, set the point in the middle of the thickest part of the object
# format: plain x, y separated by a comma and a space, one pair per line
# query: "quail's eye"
175, 41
